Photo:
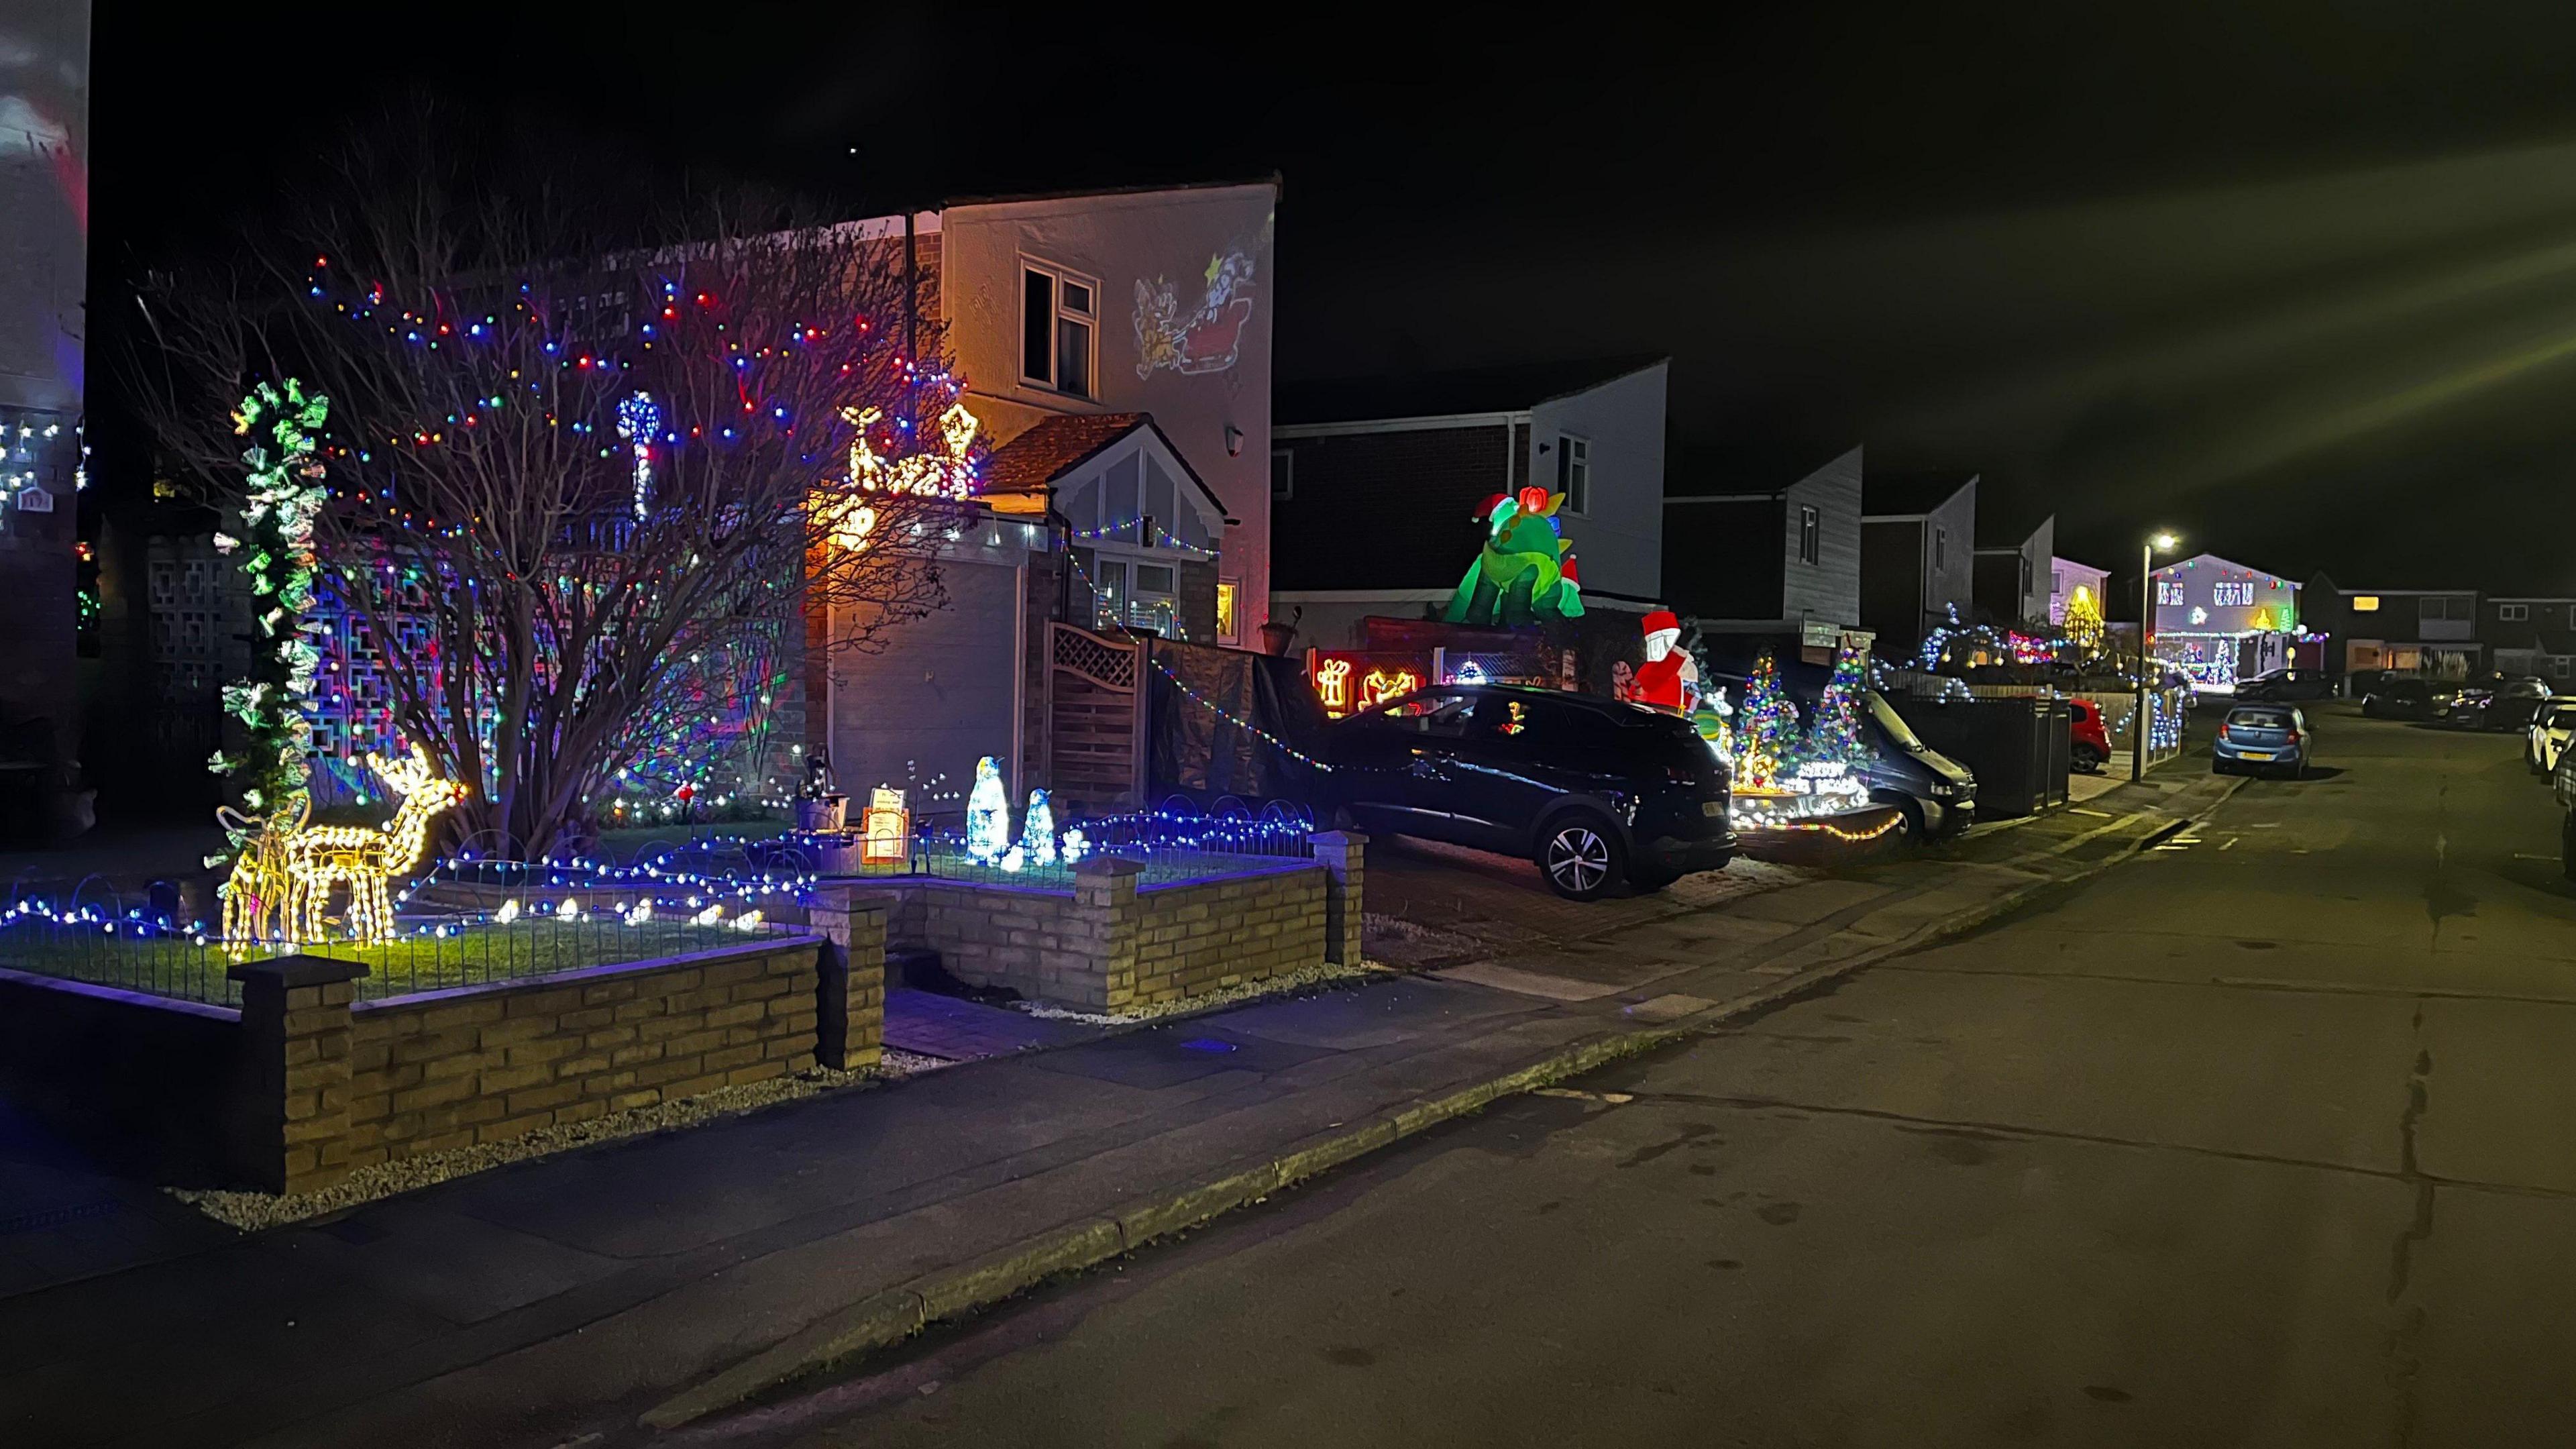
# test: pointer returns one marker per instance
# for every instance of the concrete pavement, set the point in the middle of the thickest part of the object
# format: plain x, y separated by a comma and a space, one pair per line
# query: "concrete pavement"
2260, 1139
667, 1277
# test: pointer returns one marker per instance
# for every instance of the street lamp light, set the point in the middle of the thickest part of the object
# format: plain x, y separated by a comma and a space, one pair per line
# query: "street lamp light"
2140, 719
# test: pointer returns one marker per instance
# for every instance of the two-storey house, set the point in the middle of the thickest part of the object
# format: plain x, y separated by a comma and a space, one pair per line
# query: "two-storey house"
2012, 580
2217, 620
1375, 485
1781, 562
2414, 631
1917, 554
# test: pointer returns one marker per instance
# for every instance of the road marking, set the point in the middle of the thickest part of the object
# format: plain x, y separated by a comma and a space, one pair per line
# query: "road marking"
2231, 843
2527, 855
2096, 814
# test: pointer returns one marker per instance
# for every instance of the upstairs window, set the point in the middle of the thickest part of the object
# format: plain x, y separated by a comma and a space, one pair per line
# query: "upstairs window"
1058, 331
1574, 473
2026, 572
2512, 613
1283, 473
1811, 534
1940, 548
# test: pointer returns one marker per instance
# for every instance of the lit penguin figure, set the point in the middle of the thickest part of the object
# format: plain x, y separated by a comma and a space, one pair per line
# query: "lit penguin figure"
1037, 831
988, 814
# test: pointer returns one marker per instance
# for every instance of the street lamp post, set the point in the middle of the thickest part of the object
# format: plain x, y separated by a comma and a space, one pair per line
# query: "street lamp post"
2139, 719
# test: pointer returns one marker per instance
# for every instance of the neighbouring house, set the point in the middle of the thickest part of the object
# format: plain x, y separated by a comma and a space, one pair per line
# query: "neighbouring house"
1783, 562
44, 161
1117, 349
2012, 582
1918, 544
2217, 620
2067, 578
2531, 634
1375, 485
2413, 631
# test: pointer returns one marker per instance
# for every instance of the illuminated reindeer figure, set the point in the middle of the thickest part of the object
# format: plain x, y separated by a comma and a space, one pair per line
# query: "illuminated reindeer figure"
319, 857
259, 899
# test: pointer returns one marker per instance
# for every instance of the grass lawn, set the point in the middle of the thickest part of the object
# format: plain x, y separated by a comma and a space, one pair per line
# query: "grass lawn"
176, 966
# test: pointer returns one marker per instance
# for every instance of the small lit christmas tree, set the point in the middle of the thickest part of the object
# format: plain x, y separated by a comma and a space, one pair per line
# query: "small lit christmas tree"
1766, 728
1835, 736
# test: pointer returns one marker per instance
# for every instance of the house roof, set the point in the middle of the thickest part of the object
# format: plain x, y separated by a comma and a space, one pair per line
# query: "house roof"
1908, 495
2199, 559
1445, 394
1057, 445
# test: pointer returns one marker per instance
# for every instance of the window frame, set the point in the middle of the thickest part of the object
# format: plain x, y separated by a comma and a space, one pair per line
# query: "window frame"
1940, 549
1811, 534
1059, 316
1279, 456
2513, 613
1573, 475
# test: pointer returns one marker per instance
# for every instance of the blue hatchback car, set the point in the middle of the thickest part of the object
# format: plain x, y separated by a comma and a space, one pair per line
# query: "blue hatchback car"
2263, 738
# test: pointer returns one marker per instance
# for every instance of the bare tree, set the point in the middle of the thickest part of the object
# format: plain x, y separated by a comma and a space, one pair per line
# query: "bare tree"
565, 476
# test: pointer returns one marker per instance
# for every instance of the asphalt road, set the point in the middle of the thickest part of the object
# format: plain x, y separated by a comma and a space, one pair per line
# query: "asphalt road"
2266, 1138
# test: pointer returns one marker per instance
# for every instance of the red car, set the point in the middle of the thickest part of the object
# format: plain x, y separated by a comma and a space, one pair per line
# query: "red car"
2092, 744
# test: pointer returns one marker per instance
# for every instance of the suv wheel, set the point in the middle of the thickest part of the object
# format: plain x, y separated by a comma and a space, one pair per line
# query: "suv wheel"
1581, 857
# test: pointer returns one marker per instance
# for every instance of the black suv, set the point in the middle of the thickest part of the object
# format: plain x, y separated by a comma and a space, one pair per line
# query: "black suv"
1594, 790
2400, 696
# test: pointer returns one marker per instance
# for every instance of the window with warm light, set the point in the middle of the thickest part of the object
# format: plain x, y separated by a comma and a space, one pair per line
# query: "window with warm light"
2365, 603
1226, 632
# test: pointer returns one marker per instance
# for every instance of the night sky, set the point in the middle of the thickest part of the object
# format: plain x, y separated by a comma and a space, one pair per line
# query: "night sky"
2297, 280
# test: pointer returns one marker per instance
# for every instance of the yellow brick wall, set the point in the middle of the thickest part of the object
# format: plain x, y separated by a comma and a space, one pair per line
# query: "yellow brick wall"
496, 1062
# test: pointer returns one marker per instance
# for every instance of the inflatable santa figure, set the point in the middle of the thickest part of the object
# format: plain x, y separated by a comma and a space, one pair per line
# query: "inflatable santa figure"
1669, 679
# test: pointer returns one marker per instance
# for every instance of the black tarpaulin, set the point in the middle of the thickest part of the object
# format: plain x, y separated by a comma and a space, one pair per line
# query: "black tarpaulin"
1196, 751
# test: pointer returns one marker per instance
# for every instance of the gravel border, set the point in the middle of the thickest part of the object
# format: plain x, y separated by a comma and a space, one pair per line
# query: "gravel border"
256, 1211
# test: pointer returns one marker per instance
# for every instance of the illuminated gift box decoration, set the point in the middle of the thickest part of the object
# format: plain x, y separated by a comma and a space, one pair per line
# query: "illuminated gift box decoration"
885, 829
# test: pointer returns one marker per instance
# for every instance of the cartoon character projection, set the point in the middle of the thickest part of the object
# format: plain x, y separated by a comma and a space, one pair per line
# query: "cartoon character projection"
1669, 679
1209, 337
1525, 573
988, 814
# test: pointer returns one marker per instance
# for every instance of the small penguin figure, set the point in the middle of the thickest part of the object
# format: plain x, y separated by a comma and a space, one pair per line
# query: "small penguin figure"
1037, 829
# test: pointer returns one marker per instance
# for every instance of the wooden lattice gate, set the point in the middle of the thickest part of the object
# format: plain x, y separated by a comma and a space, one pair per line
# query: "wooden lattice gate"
1095, 718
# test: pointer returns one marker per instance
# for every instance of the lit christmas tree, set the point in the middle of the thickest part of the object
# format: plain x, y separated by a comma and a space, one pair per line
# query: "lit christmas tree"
1766, 728
2083, 626
1835, 736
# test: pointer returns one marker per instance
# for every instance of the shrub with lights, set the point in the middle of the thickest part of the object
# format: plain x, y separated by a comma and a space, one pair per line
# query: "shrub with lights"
585, 504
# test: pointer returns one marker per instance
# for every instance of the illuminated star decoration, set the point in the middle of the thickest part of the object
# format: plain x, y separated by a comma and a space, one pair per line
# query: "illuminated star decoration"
638, 419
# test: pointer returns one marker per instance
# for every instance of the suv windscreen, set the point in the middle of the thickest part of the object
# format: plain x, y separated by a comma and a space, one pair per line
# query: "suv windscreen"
1899, 733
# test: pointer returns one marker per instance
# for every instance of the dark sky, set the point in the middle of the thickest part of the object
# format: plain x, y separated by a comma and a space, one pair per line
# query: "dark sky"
2296, 279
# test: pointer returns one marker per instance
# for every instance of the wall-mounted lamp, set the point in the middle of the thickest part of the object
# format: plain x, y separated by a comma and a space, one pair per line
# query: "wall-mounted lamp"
1233, 441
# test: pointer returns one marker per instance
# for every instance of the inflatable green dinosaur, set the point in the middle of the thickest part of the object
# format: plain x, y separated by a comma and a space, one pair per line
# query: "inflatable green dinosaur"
1525, 572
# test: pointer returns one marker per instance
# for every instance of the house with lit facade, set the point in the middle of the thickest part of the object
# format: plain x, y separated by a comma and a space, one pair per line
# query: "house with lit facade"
2218, 621
1116, 351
